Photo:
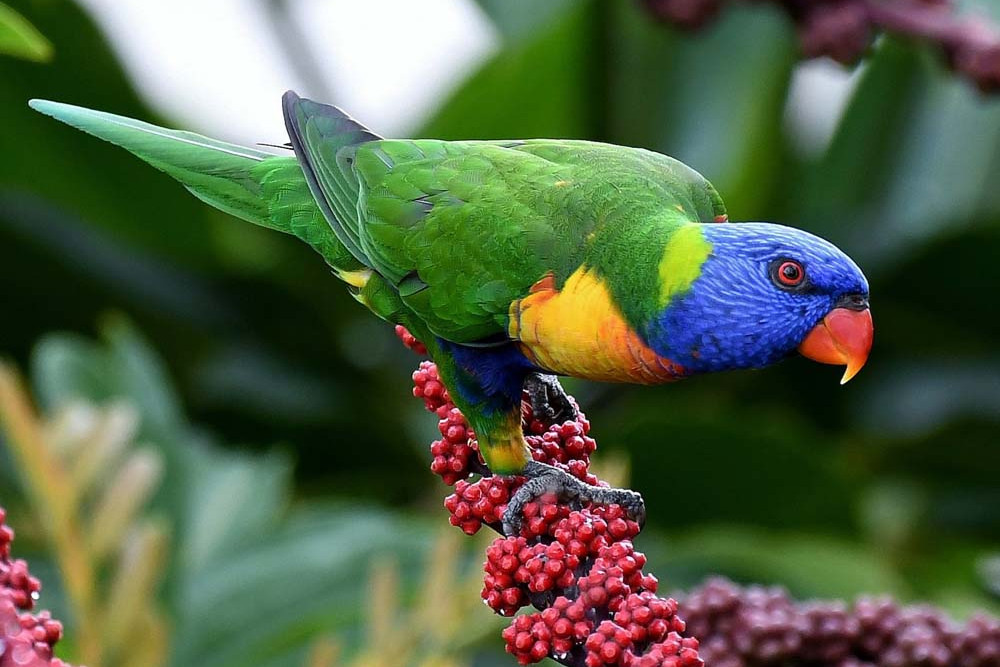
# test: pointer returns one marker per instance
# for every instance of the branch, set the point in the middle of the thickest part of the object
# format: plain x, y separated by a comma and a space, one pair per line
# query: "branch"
845, 29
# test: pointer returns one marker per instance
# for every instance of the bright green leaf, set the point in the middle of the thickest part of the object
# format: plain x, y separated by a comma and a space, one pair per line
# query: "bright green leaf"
540, 86
21, 39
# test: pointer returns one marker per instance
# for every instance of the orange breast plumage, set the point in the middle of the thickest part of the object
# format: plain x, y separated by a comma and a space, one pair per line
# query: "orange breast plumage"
579, 331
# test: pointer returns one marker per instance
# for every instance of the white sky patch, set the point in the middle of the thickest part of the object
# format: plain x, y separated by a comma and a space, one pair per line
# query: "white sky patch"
817, 98
217, 66
391, 62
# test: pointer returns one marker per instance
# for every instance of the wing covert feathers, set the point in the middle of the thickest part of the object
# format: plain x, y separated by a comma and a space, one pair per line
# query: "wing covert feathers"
318, 133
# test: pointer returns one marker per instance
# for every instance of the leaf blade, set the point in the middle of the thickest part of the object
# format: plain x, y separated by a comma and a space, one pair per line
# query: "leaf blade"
20, 39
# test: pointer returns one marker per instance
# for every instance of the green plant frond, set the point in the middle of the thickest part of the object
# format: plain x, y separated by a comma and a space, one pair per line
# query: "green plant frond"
20, 39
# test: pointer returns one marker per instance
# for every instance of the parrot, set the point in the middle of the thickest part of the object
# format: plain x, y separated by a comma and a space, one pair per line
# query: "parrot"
518, 261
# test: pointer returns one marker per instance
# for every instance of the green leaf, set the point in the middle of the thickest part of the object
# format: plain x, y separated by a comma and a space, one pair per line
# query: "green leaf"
303, 578
713, 100
20, 39
858, 164
519, 19
707, 443
77, 172
245, 562
68, 367
549, 73
913, 159
231, 498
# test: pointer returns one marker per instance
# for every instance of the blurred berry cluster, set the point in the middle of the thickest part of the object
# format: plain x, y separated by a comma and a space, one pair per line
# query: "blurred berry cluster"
763, 627
595, 607
26, 639
575, 565
844, 29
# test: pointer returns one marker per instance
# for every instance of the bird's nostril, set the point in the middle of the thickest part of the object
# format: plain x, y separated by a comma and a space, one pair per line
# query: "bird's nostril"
853, 302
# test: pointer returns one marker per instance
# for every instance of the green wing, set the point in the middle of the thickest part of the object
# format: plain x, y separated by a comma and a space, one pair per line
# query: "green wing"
462, 229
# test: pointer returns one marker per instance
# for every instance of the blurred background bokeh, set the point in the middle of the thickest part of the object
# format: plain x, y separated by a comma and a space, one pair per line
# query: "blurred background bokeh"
254, 426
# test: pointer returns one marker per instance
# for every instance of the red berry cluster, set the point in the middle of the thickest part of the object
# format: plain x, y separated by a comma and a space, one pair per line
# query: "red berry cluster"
26, 640
456, 456
844, 29
428, 386
567, 445
764, 627
576, 565
597, 608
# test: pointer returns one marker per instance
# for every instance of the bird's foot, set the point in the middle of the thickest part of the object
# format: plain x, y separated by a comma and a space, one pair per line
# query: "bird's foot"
543, 479
549, 401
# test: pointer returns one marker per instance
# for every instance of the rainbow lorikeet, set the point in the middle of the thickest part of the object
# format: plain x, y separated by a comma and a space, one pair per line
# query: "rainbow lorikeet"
514, 261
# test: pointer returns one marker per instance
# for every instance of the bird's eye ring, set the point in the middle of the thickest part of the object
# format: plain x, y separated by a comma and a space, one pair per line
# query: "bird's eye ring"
788, 273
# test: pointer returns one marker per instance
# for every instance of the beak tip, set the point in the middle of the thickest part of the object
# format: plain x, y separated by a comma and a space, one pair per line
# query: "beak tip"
849, 373
844, 336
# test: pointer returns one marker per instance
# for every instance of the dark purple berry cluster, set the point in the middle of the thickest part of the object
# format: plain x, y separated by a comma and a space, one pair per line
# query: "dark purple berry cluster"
26, 639
844, 29
576, 566
763, 627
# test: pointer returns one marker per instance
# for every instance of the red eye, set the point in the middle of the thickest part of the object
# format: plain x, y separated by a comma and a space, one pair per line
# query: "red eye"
790, 274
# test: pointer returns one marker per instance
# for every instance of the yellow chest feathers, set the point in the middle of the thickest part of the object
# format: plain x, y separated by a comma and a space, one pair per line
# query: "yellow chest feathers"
579, 331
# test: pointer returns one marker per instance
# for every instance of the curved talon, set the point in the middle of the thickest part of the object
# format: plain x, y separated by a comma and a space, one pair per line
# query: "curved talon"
543, 478
634, 506
549, 401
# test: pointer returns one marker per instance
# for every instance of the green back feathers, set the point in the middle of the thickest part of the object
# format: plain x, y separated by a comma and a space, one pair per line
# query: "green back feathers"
257, 186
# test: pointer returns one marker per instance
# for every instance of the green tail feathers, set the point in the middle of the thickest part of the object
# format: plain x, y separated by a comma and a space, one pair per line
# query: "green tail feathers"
257, 186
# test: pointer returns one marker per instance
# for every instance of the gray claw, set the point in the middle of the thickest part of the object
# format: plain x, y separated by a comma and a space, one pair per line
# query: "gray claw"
543, 478
549, 401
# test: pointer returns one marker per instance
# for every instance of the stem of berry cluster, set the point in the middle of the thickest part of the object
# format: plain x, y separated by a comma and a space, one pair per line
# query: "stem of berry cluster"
845, 29
595, 607
26, 639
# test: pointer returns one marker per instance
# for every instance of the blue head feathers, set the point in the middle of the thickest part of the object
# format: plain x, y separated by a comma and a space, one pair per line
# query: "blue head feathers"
761, 291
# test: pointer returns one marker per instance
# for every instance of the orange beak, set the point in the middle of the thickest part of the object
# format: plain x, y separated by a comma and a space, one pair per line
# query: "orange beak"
843, 337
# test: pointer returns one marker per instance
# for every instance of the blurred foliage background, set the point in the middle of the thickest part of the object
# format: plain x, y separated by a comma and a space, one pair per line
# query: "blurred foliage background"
283, 507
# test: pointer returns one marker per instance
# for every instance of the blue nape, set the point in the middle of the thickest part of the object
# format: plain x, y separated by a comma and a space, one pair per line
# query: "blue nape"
735, 316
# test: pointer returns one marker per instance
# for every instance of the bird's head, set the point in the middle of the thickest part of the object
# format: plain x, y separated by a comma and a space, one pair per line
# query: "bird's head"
759, 293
